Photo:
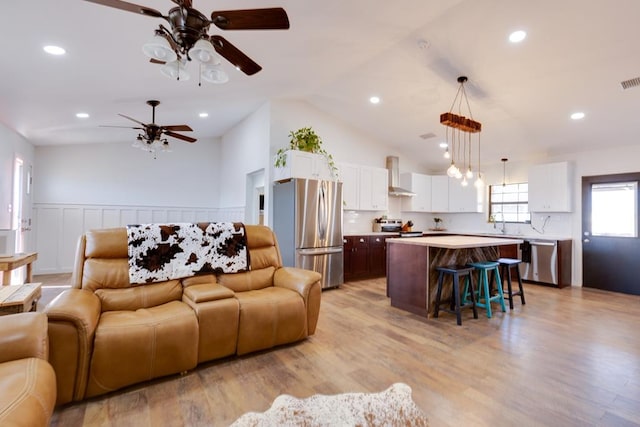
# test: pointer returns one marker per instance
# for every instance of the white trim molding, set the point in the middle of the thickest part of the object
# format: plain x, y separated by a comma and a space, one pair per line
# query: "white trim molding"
57, 227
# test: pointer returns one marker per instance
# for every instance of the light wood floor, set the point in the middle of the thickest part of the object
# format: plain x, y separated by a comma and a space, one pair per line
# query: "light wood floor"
569, 357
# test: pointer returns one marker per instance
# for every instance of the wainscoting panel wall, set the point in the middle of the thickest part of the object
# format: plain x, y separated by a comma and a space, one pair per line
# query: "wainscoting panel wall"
58, 226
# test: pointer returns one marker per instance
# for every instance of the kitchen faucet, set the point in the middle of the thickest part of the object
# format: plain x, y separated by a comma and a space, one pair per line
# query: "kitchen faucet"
503, 230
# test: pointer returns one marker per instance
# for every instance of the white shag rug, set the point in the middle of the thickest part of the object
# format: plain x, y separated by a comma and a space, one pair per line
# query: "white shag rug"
392, 407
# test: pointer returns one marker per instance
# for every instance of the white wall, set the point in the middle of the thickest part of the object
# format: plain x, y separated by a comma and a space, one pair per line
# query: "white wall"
87, 186
118, 174
245, 149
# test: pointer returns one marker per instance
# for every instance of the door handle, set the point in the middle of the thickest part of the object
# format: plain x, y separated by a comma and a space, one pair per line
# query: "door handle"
586, 240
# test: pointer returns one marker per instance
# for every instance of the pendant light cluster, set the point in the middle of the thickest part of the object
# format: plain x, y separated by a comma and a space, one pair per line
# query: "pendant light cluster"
459, 133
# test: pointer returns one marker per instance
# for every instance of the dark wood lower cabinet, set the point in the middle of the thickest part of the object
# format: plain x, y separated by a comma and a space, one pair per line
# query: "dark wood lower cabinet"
365, 257
377, 256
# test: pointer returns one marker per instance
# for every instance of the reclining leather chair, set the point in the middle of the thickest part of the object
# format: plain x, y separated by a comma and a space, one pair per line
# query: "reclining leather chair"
27, 380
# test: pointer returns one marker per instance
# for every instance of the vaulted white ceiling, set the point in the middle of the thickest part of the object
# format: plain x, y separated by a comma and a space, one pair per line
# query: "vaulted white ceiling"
335, 56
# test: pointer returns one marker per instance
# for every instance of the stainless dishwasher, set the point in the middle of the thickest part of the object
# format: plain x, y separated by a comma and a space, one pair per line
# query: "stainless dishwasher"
542, 263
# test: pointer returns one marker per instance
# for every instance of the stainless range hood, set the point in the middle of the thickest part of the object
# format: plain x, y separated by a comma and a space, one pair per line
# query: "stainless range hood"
394, 178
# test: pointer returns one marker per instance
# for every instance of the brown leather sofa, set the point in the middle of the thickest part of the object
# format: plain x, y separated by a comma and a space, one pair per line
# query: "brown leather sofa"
27, 381
106, 334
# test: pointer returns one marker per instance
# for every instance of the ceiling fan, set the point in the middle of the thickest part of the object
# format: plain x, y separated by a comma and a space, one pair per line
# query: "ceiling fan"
188, 37
153, 132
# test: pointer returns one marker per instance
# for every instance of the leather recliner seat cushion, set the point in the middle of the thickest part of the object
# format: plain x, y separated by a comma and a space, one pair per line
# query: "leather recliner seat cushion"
270, 317
27, 392
135, 346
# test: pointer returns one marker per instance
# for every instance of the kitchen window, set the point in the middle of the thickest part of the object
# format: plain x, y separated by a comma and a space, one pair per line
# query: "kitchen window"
509, 203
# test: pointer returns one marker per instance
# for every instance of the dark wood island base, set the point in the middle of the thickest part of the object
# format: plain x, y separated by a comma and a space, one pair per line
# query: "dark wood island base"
411, 266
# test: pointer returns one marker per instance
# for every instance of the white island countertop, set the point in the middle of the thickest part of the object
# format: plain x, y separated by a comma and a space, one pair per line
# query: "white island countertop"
455, 241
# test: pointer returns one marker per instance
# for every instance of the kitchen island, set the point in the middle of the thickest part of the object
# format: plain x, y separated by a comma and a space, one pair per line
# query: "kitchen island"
411, 266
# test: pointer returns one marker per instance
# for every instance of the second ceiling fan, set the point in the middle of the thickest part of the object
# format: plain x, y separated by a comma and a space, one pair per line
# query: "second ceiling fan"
188, 36
152, 132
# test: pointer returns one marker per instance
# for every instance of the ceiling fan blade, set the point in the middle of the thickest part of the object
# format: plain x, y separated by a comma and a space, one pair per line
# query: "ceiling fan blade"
182, 137
133, 120
129, 7
183, 3
179, 128
234, 55
123, 127
251, 19
155, 61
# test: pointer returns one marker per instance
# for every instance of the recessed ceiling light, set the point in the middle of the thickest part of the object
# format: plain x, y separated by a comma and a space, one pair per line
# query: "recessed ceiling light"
54, 50
82, 115
577, 115
374, 100
203, 115
517, 36
443, 145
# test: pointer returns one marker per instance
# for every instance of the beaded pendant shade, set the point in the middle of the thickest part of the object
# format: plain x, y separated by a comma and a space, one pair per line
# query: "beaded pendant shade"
460, 131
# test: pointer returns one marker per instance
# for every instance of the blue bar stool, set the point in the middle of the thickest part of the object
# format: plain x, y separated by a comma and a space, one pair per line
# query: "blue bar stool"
506, 264
483, 289
456, 307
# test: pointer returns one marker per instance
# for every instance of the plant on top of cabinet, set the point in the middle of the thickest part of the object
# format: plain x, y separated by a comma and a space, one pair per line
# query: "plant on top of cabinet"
305, 139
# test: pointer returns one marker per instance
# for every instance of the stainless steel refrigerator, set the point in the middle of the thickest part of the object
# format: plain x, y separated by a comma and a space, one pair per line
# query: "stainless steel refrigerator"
307, 220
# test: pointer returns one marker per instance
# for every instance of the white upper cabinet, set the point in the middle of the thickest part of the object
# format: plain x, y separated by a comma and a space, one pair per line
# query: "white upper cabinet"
463, 198
440, 193
374, 189
550, 187
301, 164
364, 188
419, 184
349, 174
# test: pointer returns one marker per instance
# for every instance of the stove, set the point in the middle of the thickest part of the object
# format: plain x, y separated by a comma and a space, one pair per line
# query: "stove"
387, 225
411, 234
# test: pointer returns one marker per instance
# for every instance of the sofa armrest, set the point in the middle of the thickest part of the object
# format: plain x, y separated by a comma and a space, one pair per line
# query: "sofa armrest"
296, 279
307, 284
23, 335
73, 318
77, 306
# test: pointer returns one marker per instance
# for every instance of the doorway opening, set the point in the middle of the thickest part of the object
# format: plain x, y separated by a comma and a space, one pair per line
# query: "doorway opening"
255, 198
17, 275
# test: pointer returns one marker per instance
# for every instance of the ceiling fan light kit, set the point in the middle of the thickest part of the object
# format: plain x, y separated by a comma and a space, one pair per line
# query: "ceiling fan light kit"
175, 70
188, 37
204, 53
158, 48
214, 74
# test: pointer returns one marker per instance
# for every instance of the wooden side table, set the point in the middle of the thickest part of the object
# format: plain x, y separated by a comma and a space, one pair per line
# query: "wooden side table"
8, 264
19, 298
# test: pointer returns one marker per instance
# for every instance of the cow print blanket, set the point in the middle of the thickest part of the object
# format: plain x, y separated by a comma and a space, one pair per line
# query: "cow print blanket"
160, 252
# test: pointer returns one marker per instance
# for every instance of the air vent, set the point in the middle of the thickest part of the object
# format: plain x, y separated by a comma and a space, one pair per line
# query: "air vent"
428, 135
630, 83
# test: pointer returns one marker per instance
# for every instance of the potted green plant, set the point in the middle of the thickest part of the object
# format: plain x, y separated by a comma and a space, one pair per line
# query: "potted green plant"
305, 139
437, 221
